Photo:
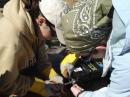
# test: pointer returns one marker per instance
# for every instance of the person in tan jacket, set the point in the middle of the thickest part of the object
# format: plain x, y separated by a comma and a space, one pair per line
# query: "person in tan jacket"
23, 32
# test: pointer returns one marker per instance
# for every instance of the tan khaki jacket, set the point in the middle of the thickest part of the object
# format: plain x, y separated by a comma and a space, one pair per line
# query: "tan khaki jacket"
16, 41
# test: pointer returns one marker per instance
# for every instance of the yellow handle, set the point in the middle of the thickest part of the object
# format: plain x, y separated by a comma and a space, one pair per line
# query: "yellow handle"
69, 59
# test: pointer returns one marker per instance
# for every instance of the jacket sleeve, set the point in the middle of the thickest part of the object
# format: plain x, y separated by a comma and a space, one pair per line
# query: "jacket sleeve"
18, 86
11, 81
98, 93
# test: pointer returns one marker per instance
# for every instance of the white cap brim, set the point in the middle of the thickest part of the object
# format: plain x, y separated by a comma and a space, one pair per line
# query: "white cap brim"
60, 33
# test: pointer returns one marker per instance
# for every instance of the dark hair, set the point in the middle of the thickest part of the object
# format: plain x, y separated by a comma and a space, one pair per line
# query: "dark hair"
32, 7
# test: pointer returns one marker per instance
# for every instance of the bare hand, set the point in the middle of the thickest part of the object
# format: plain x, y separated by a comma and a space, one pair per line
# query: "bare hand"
76, 89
